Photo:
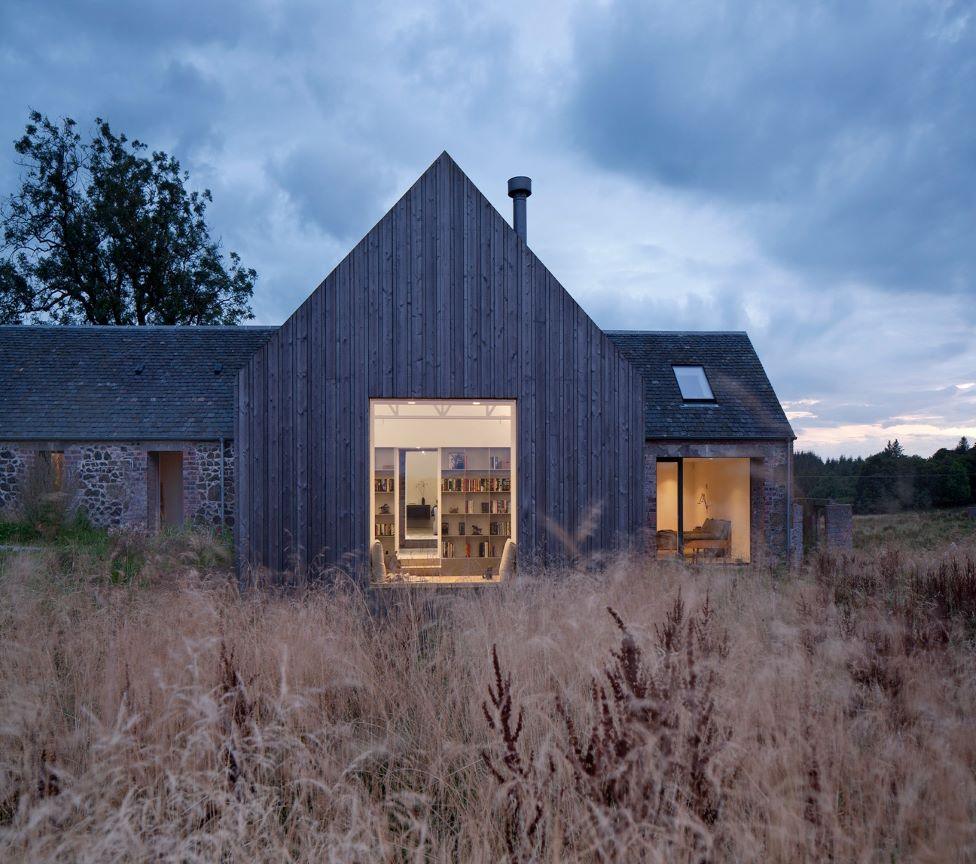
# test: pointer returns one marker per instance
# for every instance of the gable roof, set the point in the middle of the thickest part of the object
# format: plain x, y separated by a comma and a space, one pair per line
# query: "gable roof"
121, 383
440, 299
745, 404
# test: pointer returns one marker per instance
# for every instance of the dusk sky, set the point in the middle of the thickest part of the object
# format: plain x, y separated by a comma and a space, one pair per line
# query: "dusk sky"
805, 172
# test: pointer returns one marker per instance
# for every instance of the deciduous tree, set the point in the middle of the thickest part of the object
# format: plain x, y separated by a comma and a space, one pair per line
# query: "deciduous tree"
106, 232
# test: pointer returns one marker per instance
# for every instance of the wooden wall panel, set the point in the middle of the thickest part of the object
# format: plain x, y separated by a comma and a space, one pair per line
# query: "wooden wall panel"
440, 300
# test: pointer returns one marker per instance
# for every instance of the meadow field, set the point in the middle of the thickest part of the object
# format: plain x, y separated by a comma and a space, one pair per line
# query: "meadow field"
630, 712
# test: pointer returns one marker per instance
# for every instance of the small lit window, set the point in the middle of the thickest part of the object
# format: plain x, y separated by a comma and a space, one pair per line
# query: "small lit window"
693, 384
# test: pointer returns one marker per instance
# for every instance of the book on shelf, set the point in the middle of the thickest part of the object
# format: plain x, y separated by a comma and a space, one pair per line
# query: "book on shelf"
476, 484
484, 549
500, 528
384, 529
383, 484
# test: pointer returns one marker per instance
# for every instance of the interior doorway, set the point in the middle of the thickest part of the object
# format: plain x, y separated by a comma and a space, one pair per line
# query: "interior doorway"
165, 492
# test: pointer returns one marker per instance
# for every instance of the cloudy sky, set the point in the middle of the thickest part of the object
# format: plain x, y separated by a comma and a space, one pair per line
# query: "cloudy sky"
805, 172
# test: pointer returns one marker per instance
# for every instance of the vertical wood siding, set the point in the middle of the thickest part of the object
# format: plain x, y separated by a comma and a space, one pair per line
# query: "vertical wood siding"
440, 300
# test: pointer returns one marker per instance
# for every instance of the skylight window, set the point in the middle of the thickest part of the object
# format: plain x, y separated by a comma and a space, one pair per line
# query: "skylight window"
693, 384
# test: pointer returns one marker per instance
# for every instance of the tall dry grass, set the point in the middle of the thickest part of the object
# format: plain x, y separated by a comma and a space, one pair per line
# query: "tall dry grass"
827, 715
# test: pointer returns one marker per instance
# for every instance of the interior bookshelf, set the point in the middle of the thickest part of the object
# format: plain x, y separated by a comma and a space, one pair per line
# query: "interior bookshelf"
476, 506
384, 498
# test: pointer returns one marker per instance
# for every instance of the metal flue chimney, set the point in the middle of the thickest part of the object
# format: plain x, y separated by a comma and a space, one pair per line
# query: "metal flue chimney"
519, 188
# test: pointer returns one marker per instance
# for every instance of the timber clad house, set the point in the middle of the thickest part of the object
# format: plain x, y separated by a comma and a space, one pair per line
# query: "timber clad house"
437, 402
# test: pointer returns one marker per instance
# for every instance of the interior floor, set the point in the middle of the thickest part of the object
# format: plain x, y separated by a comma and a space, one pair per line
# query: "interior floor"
441, 579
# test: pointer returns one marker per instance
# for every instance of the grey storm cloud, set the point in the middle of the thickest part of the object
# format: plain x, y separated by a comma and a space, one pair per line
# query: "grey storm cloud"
339, 193
805, 172
848, 129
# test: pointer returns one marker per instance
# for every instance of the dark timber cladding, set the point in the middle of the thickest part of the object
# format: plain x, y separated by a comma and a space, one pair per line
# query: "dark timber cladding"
440, 300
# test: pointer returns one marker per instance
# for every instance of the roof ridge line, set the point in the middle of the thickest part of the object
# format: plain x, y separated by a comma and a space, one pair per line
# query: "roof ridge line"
678, 332
103, 328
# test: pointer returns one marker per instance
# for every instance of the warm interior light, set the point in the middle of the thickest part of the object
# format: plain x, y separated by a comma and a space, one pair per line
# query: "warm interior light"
443, 501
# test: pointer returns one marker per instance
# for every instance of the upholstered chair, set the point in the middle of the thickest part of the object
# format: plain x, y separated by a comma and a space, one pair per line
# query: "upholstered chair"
377, 566
506, 570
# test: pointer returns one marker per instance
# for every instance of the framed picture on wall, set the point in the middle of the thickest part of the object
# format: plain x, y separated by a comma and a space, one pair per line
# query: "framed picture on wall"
455, 460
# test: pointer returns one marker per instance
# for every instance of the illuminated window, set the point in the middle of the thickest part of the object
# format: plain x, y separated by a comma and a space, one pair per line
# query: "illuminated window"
703, 509
693, 384
443, 496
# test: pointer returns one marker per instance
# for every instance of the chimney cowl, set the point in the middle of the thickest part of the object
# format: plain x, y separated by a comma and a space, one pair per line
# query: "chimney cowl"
519, 188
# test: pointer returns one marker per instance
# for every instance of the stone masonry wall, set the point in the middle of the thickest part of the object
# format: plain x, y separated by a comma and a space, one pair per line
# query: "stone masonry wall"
110, 479
14, 461
768, 492
109, 482
201, 483
840, 526
796, 538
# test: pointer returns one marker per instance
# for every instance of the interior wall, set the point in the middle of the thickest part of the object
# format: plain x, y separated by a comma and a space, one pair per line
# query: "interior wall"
667, 496
421, 477
725, 483
442, 432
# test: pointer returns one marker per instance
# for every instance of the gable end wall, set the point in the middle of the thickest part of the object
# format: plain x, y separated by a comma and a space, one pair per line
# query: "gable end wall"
440, 300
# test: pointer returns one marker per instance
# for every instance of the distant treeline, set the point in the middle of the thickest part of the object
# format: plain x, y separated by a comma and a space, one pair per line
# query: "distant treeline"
890, 481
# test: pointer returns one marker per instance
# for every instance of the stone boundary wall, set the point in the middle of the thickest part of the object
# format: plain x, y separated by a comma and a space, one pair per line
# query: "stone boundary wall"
796, 538
839, 520
769, 461
110, 479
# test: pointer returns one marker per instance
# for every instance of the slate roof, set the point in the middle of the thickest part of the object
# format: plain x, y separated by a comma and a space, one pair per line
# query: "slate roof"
81, 383
745, 404
121, 383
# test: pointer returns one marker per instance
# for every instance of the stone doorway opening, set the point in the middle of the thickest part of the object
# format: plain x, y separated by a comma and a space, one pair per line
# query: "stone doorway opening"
165, 493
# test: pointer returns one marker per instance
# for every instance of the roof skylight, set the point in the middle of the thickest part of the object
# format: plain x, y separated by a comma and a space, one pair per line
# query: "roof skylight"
693, 384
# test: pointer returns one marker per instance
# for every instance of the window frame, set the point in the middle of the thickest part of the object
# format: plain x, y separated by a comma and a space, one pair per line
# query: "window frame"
693, 399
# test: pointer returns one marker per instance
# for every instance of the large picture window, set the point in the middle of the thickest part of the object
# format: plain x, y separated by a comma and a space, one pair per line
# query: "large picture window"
443, 493
703, 509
